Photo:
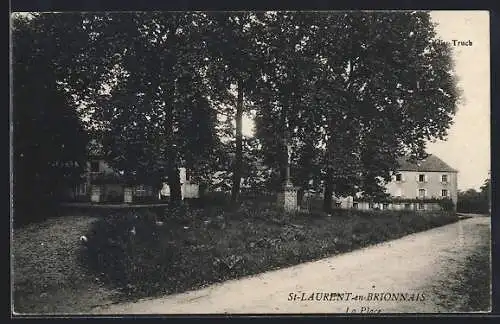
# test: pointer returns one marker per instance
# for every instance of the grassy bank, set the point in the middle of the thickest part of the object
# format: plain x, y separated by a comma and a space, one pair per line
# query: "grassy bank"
47, 276
477, 276
150, 254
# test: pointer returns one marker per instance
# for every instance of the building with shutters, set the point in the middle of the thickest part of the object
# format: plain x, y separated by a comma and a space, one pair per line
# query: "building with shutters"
416, 186
429, 178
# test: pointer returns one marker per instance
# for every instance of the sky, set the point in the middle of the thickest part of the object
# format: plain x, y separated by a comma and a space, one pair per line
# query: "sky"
467, 146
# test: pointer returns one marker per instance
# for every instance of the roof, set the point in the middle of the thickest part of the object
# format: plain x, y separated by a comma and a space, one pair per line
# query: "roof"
430, 164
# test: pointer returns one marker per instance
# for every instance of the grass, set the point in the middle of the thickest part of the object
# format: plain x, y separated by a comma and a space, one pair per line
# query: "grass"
477, 278
194, 247
48, 277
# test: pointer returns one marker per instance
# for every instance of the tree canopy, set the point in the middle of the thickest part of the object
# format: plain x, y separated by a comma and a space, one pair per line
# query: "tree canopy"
49, 141
349, 93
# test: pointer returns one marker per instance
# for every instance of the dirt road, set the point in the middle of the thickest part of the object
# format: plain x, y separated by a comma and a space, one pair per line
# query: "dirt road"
428, 272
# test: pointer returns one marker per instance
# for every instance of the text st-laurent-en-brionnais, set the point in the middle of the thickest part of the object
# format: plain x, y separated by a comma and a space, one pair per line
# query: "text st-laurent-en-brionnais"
349, 296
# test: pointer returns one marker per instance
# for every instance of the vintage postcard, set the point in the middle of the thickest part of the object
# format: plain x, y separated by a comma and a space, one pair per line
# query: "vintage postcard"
250, 162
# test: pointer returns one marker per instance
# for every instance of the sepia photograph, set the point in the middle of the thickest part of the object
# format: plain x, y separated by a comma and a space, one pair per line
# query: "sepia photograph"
250, 162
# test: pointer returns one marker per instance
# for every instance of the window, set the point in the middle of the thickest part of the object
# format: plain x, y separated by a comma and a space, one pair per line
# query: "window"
81, 189
444, 178
371, 205
399, 177
421, 178
355, 205
421, 193
140, 191
444, 193
407, 206
385, 206
94, 166
421, 206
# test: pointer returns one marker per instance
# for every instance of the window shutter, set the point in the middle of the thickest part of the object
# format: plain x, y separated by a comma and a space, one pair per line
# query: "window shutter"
426, 178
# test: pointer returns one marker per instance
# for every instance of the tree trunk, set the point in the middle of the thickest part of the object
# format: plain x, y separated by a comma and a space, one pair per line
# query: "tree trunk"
235, 190
327, 199
284, 171
173, 174
172, 169
175, 186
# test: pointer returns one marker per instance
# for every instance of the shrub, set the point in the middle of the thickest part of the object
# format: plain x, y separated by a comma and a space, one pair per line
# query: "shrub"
128, 250
446, 204
216, 198
34, 211
197, 246
114, 196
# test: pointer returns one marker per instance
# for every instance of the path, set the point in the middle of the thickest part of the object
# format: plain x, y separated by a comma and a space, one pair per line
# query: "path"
431, 266
47, 275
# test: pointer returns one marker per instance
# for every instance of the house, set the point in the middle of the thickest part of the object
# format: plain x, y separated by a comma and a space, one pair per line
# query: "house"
415, 185
103, 184
189, 188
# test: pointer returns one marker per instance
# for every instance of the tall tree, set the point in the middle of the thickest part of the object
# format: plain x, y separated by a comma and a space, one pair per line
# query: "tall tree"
49, 142
158, 115
388, 87
285, 117
235, 58
486, 192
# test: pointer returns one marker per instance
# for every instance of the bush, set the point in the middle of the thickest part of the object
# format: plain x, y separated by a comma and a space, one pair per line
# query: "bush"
145, 199
34, 211
114, 196
473, 202
446, 204
216, 198
125, 247
197, 246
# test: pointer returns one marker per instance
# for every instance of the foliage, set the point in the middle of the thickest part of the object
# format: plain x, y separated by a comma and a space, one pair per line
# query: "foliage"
413, 200
472, 201
447, 204
381, 84
234, 63
107, 178
196, 247
286, 115
349, 93
48, 138
157, 116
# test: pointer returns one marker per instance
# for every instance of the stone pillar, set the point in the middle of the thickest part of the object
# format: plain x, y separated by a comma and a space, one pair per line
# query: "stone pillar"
127, 195
288, 198
95, 193
290, 203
